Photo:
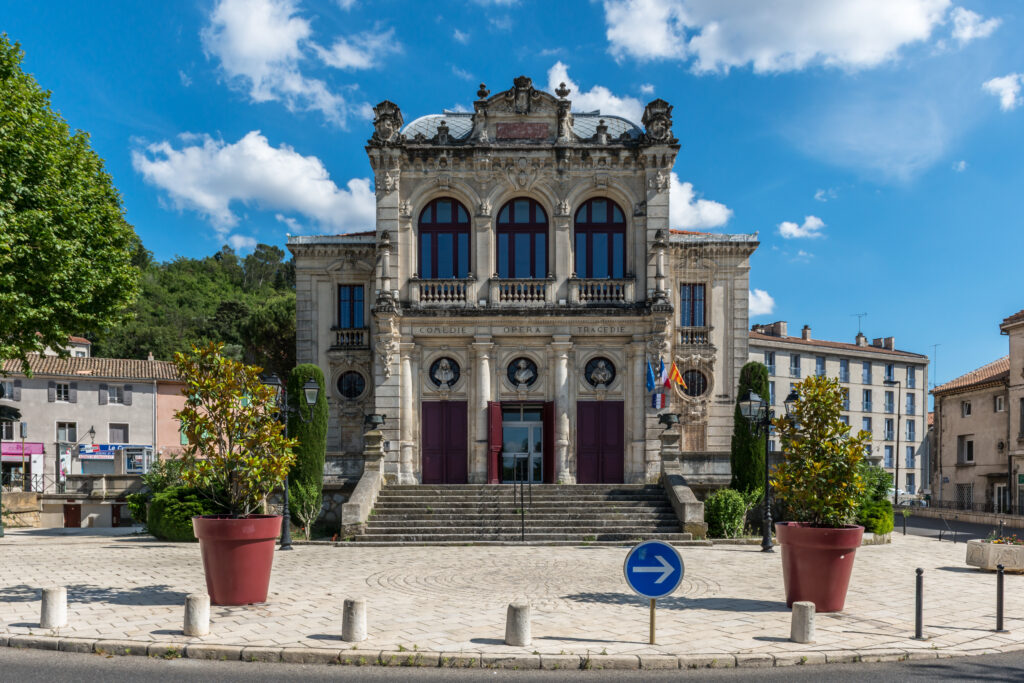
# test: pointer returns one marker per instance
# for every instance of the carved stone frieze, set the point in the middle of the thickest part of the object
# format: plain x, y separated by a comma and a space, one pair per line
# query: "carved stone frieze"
659, 183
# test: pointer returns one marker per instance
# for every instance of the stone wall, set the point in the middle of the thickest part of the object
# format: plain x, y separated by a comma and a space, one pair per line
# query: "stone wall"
21, 509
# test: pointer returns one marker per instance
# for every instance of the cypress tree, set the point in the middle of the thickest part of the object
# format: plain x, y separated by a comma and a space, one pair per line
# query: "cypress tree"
306, 477
747, 456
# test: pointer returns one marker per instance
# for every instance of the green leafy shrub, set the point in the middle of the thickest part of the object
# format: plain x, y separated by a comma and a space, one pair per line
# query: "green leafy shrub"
162, 475
171, 512
877, 517
725, 512
877, 483
137, 505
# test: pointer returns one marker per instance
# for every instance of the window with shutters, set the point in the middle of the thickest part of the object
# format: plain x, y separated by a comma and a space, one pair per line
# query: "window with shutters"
63, 391
67, 431
115, 394
118, 432
7, 390
6, 430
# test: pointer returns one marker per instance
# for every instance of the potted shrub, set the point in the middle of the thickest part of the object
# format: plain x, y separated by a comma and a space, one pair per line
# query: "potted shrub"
819, 484
236, 456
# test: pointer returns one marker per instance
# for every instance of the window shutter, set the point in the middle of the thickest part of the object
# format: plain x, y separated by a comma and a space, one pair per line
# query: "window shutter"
73, 392
17, 390
127, 394
51, 391
493, 442
103, 394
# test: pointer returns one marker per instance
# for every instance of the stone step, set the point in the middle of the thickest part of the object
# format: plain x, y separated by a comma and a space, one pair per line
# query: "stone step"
529, 537
626, 530
500, 487
514, 542
508, 502
399, 518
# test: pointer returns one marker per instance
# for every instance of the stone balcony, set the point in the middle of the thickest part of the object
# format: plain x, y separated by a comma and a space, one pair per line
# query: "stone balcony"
515, 293
350, 338
602, 291
444, 293
695, 336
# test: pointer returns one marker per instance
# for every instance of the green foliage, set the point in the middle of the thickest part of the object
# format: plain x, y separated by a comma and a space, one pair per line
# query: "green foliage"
747, 455
820, 480
877, 483
877, 517
237, 453
162, 475
172, 510
246, 304
137, 505
725, 512
67, 255
306, 477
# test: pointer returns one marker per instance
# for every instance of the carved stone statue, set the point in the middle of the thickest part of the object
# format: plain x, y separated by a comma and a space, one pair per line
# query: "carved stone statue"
658, 121
524, 373
444, 374
601, 375
387, 123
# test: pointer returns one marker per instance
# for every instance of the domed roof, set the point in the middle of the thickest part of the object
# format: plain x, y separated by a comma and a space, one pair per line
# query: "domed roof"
460, 125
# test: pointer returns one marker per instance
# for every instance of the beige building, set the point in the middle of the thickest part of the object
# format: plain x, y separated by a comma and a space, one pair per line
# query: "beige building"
979, 432
887, 391
521, 275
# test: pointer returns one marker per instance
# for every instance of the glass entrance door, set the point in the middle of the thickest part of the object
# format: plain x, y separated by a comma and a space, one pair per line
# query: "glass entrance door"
522, 445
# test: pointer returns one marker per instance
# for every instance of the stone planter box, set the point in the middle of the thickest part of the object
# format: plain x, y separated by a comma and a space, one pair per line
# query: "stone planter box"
986, 555
876, 539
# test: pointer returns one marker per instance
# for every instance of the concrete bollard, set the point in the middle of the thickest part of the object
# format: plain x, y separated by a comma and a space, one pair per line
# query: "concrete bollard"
54, 612
353, 620
801, 629
197, 614
517, 624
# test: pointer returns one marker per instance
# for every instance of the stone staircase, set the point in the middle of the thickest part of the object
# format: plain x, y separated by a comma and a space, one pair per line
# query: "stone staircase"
596, 514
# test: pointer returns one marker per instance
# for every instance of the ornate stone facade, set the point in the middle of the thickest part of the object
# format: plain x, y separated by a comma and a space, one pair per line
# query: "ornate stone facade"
455, 322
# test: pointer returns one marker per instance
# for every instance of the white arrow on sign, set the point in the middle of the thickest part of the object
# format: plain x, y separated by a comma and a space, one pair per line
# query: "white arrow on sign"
666, 569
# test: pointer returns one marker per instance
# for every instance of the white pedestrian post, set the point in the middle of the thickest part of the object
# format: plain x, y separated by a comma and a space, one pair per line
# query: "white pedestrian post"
517, 624
197, 614
353, 620
802, 627
54, 612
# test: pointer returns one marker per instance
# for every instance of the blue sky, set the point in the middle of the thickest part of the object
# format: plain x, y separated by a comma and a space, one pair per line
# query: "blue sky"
875, 145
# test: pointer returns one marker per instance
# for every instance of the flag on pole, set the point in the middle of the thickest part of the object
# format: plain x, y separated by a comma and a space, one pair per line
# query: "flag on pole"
676, 376
650, 376
662, 374
658, 400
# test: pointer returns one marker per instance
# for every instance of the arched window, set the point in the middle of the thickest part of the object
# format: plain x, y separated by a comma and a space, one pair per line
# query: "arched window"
600, 240
444, 240
522, 240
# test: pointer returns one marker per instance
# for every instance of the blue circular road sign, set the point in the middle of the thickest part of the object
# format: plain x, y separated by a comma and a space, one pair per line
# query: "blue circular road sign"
653, 569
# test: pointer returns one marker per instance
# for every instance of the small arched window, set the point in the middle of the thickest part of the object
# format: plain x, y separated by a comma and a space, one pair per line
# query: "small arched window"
600, 240
522, 240
444, 240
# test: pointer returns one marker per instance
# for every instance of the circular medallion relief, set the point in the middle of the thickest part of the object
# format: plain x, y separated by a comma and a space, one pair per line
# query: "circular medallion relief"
522, 372
696, 383
444, 372
351, 384
600, 372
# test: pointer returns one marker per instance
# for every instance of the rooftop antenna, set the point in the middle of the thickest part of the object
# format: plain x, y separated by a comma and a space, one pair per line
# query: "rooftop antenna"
935, 362
858, 316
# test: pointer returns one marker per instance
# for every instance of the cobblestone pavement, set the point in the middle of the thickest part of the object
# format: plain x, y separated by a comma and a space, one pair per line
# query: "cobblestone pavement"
452, 599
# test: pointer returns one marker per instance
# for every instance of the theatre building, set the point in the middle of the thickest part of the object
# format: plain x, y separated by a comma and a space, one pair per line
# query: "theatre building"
521, 275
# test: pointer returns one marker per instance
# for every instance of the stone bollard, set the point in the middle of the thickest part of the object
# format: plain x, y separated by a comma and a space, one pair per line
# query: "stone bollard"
54, 612
197, 614
802, 628
517, 624
353, 620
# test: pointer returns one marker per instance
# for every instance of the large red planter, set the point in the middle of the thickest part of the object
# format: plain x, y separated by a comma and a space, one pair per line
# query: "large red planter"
237, 556
816, 563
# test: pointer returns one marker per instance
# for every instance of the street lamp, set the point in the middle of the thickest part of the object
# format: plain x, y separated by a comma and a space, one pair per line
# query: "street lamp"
311, 392
896, 455
759, 415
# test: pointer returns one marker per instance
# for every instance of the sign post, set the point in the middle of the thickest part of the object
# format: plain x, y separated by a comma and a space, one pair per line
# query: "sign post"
653, 569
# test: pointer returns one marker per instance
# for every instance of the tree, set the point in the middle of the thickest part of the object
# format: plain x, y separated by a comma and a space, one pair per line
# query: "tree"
67, 254
306, 477
747, 455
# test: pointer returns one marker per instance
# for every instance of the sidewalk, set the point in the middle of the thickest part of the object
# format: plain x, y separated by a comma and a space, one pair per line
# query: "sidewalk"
424, 603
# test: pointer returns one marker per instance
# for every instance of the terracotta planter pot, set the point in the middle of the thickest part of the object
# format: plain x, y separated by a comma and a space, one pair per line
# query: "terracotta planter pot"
816, 563
237, 556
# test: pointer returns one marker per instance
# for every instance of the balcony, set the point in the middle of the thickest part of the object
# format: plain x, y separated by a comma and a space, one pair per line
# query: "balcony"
890, 408
889, 435
866, 406
794, 372
694, 336
601, 291
771, 370
844, 376
520, 292
447, 292
350, 338
911, 409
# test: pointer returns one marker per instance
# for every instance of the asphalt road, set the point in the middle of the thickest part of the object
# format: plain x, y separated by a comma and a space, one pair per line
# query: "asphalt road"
927, 526
37, 666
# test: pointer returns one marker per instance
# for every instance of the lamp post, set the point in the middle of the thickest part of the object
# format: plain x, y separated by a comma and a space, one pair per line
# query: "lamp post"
896, 478
759, 415
23, 430
311, 392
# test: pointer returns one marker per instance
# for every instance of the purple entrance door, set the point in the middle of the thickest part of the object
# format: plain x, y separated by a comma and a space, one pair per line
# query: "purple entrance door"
443, 438
600, 442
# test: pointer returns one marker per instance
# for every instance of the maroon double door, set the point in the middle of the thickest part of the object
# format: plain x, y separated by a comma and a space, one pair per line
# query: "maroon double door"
600, 442
443, 438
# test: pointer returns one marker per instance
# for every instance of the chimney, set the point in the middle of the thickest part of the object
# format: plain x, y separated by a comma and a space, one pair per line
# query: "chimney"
150, 356
861, 339
776, 329
889, 343
779, 328
805, 333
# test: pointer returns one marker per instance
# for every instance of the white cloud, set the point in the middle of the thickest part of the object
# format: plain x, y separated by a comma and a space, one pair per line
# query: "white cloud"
359, 51
761, 302
186, 80
960, 166
688, 212
460, 37
647, 89
968, 25
784, 35
206, 175
802, 255
259, 45
346, 4
811, 227
462, 73
825, 195
598, 97
242, 242
1007, 89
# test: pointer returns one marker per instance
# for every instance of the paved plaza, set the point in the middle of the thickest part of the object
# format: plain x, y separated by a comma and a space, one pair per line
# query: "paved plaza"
453, 600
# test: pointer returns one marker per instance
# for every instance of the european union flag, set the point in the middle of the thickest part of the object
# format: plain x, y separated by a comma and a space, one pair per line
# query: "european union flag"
650, 376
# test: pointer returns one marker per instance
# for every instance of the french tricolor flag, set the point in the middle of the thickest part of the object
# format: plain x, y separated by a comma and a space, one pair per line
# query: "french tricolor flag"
659, 400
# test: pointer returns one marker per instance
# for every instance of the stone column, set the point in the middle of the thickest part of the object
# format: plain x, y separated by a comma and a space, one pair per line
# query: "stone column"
561, 345
407, 427
482, 395
637, 410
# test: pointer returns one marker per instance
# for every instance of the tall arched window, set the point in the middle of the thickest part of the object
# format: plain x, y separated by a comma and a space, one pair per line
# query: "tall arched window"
522, 240
444, 240
600, 240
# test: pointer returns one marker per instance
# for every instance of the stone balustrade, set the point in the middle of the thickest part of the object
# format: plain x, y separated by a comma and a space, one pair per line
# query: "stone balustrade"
693, 336
446, 292
601, 291
520, 292
353, 338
